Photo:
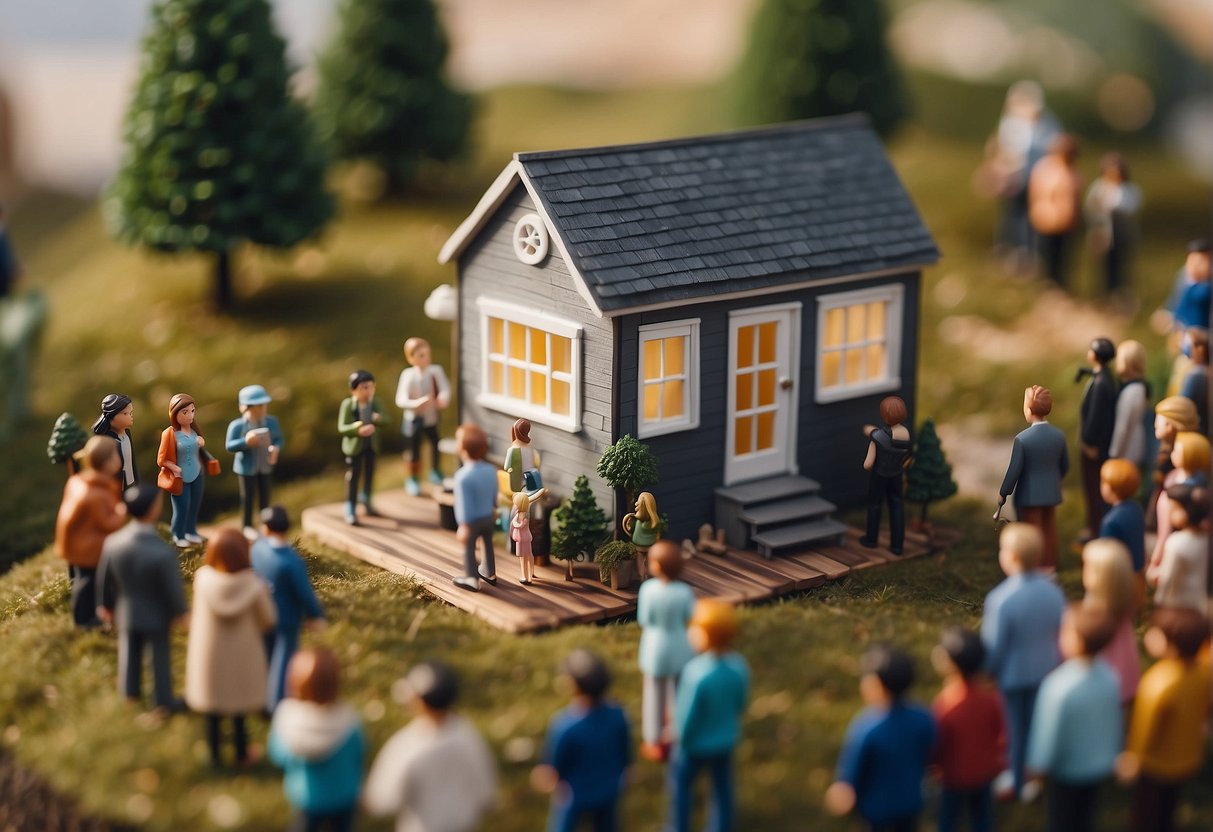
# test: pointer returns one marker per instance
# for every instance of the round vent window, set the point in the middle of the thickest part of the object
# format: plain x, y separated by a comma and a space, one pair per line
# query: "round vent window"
531, 240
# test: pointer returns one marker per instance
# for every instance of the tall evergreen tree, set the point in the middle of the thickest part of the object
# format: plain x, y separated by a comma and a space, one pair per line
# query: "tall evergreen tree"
67, 438
930, 477
382, 95
809, 58
217, 150
581, 526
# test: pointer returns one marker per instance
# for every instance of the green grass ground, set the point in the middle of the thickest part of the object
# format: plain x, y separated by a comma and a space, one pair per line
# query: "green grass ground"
125, 320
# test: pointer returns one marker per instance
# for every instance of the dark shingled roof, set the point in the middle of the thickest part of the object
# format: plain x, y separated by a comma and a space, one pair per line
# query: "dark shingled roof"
737, 212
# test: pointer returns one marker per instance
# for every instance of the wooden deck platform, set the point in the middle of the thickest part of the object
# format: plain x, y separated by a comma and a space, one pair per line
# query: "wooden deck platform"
408, 540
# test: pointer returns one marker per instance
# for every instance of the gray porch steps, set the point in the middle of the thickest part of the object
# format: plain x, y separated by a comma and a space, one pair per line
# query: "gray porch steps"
776, 513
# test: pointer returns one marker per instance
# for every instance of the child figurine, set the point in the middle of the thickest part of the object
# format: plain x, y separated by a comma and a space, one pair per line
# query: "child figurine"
643, 527
1172, 416
1108, 581
89, 512
1019, 629
1190, 466
1097, 420
587, 751
184, 464
664, 607
277, 563
887, 747
970, 750
424, 393
225, 667
1164, 748
1125, 521
521, 460
1038, 462
520, 533
318, 742
475, 506
1181, 574
711, 699
1129, 427
358, 422
142, 572
888, 451
116, 419
436, 772
1077, 725
256, 440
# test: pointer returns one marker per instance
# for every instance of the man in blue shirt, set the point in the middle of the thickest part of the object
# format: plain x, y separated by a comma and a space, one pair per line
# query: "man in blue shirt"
475, 506
587, 751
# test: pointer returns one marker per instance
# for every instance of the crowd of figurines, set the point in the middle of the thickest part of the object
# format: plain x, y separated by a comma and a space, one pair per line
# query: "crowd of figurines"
1064, 676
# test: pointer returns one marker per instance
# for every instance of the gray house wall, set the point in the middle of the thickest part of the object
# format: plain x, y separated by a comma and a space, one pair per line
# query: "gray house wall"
489, 268
829, 447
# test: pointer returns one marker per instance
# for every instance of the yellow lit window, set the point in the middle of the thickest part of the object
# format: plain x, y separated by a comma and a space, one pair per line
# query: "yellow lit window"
858, 350
668, 377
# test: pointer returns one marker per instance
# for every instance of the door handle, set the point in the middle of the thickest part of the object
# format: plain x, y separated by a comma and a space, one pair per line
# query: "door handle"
785, 383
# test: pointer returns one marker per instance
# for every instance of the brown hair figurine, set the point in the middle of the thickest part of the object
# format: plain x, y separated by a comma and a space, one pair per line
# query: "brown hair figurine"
182, 461
888, 455
1039, 460
423, 392
664, 607
475, 506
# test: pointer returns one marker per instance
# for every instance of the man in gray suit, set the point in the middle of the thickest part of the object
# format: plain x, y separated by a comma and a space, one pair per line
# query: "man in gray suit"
141, 571
1038, 462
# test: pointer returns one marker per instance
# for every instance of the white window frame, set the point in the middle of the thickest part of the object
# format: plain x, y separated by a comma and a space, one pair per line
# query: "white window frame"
893, 294
512, 313
689, 329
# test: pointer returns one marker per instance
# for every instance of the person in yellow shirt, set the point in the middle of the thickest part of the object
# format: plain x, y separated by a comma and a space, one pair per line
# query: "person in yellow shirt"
1165, 745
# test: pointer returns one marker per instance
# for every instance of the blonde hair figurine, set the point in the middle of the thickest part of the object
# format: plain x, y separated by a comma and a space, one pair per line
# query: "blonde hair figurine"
642, 527
1108, 581
520, 533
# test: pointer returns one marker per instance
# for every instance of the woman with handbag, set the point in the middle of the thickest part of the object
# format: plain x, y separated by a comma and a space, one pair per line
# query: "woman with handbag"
182, 458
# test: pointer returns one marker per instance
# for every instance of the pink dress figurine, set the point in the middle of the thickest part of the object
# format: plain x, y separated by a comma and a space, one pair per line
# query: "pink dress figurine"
520, 533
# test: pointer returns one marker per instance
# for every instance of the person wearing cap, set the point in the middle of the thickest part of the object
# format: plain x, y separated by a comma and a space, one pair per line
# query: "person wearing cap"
256, 440
436, 773
117, 417
278, 564
358, 422
142, 574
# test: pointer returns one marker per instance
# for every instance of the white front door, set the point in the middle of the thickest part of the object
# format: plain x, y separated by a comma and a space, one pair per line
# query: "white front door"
760, 437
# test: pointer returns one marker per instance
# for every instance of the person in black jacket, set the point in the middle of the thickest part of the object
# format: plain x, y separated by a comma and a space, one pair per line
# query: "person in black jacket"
1096, 423
888, 451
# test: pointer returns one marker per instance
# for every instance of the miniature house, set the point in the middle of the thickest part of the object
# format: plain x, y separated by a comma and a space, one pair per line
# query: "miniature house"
739, 302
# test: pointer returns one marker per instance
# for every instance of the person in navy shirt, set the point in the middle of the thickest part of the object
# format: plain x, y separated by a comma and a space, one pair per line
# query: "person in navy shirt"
279, 565
588, 750
887, 747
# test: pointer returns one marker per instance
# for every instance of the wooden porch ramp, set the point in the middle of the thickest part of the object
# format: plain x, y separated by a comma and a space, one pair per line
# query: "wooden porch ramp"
408, 540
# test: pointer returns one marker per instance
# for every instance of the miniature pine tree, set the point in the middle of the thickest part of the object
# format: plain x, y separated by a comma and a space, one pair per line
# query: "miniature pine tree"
628, 466
930, 477
217, 150
580, 525
67, 437
809, 58
382, 95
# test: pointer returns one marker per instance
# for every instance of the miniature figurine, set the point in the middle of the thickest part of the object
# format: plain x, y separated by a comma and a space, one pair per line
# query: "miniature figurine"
521, 460
436, 772
642, 527
1077, 727
1129, 425
970, 750
1163, 749
1125, 521
887, 747
1181, 574
225, 665
708, 706
10, 268
256, 440
520, 533
1172, 415
1193, 306
1108, 581
1196, 382
142, 572
90, 511
1055, 203
1111, 207
1190, 465
279, 565
318, 742
117, 417
424, 393
475, 506
664, 607
1194, 270
358, 422
181, 460
587, 751
888, 455
1096, 422
1019, 629
1038, 462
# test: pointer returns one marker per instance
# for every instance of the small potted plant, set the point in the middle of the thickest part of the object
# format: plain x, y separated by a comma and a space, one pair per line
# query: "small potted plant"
616, 561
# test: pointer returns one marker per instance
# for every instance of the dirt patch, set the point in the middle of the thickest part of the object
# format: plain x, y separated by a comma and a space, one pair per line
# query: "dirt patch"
27, 802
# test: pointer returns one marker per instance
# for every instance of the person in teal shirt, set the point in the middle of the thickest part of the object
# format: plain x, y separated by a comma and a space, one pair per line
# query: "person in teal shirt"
663, 610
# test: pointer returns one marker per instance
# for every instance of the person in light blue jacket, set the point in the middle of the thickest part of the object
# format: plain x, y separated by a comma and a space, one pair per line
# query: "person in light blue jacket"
256, 440
319, 744
663, 610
